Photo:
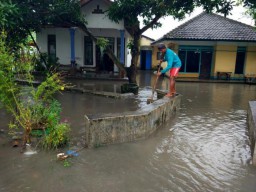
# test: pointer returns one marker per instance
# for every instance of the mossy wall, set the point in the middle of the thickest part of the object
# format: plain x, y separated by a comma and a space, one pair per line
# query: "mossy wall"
251, 121
129, 126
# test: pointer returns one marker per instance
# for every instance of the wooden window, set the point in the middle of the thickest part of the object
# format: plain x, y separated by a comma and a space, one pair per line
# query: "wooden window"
88, 51
51, 46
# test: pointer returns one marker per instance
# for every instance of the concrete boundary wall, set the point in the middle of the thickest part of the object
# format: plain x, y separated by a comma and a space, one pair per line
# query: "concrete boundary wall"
251, 120
129, 126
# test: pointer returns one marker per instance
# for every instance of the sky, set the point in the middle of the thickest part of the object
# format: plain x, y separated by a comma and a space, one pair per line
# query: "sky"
168, 23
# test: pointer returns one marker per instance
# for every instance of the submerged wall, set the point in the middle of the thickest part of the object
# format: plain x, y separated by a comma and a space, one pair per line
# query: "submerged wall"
129, 126
251, 120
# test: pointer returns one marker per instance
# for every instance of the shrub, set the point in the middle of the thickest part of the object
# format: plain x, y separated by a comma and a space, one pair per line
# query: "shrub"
32, 108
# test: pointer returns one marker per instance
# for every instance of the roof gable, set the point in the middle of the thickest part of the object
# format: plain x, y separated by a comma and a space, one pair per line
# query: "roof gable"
146, 37
209, 26
84, 2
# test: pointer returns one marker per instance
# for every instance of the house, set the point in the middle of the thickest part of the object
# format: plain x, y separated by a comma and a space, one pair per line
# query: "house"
212, 47
74, 47
145, 59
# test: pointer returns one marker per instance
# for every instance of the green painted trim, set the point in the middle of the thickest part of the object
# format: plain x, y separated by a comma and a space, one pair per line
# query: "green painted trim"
241, 49
196, 48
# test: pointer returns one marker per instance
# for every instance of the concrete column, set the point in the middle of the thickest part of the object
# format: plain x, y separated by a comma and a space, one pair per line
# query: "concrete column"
72, 46
122, 47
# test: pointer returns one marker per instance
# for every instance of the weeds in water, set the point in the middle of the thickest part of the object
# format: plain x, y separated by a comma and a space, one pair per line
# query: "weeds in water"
66, 163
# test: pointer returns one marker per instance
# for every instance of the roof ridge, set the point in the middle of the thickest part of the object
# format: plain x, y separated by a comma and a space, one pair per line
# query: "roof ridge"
186, 23
232, 20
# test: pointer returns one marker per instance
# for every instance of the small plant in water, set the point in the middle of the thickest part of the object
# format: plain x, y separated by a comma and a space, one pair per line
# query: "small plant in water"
66, 163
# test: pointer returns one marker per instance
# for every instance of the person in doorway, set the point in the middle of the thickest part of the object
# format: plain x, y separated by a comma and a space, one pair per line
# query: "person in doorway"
173, 64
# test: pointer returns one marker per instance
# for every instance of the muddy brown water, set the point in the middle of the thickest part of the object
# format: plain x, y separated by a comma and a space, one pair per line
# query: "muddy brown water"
204, 147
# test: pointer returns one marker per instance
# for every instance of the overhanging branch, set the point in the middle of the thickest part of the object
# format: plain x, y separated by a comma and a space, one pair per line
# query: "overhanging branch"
151, 24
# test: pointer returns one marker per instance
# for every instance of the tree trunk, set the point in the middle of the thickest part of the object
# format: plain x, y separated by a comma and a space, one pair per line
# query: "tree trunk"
132, 70
119, 65
26, 136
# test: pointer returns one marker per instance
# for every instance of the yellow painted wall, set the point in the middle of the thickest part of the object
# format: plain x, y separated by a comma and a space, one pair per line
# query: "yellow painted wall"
154, 57
145, 42
250, 61
225, 59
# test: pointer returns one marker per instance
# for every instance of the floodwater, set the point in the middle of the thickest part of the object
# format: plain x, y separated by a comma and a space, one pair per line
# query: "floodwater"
204, 147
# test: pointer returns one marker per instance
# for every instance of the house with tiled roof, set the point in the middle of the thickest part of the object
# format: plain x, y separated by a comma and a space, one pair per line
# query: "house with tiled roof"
72, 46
211, 46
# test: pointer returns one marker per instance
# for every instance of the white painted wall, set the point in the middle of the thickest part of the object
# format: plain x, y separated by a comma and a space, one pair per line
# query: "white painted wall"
98, 24
99, 20
63, 51
62, 43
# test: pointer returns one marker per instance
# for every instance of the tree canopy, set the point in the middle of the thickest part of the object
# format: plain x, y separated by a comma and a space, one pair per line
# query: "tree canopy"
251, 5
19, 17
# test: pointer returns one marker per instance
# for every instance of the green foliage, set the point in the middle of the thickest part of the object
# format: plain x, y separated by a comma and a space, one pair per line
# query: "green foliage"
39, 133
102, 42
151, 10
225, 7
130, 44
57, 136
51, 63
32, 108
251, 8
66, 163
46, 120
7, 10
10, 69
19, 18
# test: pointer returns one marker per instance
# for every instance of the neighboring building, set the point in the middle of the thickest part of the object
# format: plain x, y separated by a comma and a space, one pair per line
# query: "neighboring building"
71, 45
210, 45
145, 60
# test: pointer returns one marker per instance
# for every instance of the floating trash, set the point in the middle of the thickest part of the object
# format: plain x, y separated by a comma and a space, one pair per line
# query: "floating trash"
15, 143
62, 156
171, 129
29, 150
69, 153
72, 153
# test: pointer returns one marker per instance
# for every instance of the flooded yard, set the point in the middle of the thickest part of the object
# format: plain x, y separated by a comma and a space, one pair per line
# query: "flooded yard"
204, 147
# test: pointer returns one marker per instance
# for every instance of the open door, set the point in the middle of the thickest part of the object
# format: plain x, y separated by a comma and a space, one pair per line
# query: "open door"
206, 63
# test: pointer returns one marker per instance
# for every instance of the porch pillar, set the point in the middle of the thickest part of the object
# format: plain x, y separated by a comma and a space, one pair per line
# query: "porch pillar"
72, 46
122, 47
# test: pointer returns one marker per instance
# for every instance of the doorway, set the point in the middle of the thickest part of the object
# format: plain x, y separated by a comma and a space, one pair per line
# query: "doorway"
145, 59
205, 67
103, 62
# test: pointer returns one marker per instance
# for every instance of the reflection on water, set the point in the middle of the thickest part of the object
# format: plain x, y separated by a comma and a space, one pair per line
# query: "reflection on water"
203, 148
